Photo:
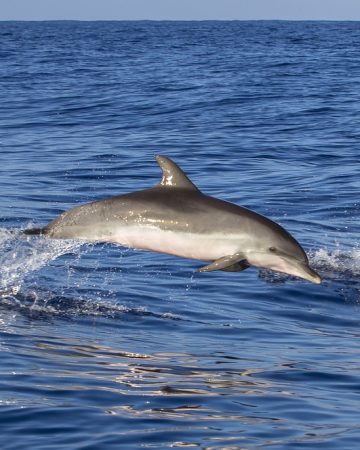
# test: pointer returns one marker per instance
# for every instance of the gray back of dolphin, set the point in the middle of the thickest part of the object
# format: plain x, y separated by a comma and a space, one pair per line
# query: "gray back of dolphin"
175, 217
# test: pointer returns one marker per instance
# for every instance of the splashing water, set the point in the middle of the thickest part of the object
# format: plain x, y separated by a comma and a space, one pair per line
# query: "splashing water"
337, 264
20, 255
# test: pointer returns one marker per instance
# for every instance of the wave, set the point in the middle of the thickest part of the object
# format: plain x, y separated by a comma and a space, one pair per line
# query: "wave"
41, 303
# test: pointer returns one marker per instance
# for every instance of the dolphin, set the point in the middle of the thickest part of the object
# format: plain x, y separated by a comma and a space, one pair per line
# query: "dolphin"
174, 217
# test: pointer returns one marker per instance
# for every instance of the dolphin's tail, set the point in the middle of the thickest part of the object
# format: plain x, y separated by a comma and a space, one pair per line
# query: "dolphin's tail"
33, 231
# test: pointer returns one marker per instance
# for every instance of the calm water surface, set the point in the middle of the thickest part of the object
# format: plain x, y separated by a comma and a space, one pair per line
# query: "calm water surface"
103, 347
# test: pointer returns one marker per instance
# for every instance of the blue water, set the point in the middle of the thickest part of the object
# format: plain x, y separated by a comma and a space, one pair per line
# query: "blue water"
103, 347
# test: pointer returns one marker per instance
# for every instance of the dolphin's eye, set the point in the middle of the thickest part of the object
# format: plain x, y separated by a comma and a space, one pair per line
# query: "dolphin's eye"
272, 249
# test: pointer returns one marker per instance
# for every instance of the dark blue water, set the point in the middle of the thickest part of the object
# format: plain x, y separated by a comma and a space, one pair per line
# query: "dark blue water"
103, 347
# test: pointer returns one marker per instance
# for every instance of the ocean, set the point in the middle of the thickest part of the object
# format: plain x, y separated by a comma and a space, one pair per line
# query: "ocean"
104, 347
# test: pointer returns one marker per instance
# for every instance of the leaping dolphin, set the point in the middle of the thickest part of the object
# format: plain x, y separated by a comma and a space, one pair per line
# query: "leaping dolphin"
174, 217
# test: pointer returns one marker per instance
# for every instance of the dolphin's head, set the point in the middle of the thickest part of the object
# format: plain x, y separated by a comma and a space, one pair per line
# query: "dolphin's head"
277, 250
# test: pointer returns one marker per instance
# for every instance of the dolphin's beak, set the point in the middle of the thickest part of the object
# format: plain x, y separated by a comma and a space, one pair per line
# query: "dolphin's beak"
302, 270
286, 264
310, 275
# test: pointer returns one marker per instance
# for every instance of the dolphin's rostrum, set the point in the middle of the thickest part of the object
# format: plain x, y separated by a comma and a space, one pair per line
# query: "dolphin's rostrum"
174, 217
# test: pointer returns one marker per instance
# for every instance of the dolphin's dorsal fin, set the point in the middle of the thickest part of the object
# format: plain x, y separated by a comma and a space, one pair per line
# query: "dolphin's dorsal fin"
173, 176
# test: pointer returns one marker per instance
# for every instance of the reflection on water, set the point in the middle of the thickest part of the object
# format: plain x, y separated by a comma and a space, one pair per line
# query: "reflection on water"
165, 383
199, 390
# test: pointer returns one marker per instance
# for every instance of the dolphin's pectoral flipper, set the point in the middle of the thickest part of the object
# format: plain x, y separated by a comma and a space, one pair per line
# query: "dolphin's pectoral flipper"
237, 267
231, 263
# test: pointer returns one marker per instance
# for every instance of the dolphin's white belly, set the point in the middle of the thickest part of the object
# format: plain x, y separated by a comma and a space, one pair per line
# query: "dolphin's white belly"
205, 246
189, 245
